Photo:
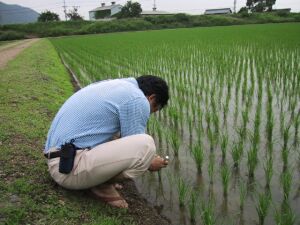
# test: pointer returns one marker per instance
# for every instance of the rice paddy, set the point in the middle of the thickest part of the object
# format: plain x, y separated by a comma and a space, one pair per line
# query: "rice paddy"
231, 128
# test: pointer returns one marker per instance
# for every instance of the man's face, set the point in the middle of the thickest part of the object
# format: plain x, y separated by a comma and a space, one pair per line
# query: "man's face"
153, 106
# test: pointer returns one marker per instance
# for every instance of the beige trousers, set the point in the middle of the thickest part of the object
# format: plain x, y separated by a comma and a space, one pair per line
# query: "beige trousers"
129, 156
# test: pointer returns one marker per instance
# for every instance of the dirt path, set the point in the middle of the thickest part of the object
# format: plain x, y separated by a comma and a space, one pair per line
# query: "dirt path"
10, 52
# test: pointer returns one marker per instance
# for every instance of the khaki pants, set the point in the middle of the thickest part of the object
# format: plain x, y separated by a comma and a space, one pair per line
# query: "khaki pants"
129, 156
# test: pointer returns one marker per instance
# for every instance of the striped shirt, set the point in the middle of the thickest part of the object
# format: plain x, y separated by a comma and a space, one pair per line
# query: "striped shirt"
95, 113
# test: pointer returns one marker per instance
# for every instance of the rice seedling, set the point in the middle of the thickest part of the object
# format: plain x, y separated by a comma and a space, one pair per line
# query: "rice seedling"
225, 175
236, 153
252, 161
224, 144
262, 206
198, 154
285, 216
175, 142
286, 182
182, 189
207, 215
243, 194
208, 119
213, 138
211, 167
297, 124
268, 168
193, 205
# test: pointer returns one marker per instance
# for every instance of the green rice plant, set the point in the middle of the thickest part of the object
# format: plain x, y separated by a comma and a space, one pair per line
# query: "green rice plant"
243, 194
225, 175
198, 154
211, 167
285, 216
268, 168
193, 205
207, 215
182, 189
213, 138
245, 117
236, 154
224, 144
175, 142
252, 161
269, 127
215, 120
262, 206
286, 182
297, 124
208, 119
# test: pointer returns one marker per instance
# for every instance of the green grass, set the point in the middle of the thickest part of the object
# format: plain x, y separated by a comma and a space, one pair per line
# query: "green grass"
32, 87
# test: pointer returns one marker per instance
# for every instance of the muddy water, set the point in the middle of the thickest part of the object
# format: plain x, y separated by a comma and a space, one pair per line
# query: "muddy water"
162, 193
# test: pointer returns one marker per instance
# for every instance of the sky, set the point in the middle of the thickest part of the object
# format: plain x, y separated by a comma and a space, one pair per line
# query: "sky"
183, 6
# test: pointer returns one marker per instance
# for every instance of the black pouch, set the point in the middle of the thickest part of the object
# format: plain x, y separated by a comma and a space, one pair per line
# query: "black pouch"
67, 156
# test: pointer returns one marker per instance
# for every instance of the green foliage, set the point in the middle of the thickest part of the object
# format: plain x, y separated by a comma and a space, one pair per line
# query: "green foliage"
260, 5
11, 35
48, 16
71, 27
73, 15
130, 9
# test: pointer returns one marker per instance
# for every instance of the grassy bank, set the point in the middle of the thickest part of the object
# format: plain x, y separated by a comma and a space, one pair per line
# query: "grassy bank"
32, 87
54, 29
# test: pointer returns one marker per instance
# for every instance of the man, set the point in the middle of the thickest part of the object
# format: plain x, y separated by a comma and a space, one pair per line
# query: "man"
87, 122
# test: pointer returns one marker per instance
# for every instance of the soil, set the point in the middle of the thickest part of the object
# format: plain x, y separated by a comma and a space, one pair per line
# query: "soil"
10, 52
139, 208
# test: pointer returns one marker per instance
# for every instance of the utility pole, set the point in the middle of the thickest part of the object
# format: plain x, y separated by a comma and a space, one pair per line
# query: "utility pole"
234, 6
154, 5
65, 9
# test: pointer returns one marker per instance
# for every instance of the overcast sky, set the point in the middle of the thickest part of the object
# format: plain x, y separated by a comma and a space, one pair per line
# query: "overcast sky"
186, 6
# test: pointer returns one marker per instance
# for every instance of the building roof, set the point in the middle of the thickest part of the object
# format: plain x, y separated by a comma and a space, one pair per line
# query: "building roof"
216, 11
155, 13
105, 8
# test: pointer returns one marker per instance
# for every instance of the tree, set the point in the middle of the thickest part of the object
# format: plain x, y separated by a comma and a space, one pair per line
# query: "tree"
130, 9
260, 5
73, 14
48, 16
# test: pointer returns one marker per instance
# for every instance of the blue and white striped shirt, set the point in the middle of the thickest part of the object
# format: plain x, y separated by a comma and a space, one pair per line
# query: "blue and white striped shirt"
95, 113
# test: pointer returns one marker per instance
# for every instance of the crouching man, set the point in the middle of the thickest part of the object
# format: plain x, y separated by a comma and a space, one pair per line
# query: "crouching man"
80, 151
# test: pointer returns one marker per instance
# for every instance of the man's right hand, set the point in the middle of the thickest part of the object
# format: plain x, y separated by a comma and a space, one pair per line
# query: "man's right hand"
158, 163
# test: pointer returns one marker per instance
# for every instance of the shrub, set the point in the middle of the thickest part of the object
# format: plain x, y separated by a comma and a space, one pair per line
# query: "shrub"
11, 35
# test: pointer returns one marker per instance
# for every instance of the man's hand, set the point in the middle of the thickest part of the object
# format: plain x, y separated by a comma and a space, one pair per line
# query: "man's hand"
158, 163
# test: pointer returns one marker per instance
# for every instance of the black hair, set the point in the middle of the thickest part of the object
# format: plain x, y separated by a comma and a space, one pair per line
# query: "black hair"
151, 84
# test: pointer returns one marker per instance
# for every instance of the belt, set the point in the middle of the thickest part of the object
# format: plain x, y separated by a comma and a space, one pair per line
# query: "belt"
52, 155
56, 154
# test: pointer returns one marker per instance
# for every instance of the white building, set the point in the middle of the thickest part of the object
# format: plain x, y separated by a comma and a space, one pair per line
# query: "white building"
105, 12
218, 11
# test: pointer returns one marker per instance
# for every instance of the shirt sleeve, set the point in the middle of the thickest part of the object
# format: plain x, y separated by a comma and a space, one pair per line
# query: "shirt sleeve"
134, 115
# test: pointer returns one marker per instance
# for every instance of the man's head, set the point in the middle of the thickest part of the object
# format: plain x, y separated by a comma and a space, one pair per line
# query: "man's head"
155, 89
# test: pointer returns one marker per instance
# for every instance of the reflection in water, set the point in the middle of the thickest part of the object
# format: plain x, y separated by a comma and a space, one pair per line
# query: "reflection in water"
182, 216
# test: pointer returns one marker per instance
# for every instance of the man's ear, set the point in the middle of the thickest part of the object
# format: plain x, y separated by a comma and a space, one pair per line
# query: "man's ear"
152, 97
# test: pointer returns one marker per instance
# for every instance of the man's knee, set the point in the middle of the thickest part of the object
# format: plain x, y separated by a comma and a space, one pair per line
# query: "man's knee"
148, 141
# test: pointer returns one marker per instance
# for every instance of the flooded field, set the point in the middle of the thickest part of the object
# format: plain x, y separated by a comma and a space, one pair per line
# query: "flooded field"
231, 128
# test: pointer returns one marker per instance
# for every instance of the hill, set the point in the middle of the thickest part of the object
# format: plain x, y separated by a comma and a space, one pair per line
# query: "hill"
11, 14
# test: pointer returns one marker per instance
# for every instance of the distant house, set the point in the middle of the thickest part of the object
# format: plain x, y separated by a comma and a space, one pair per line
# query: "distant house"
217, 11
105, 12
288, 10
154, 12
